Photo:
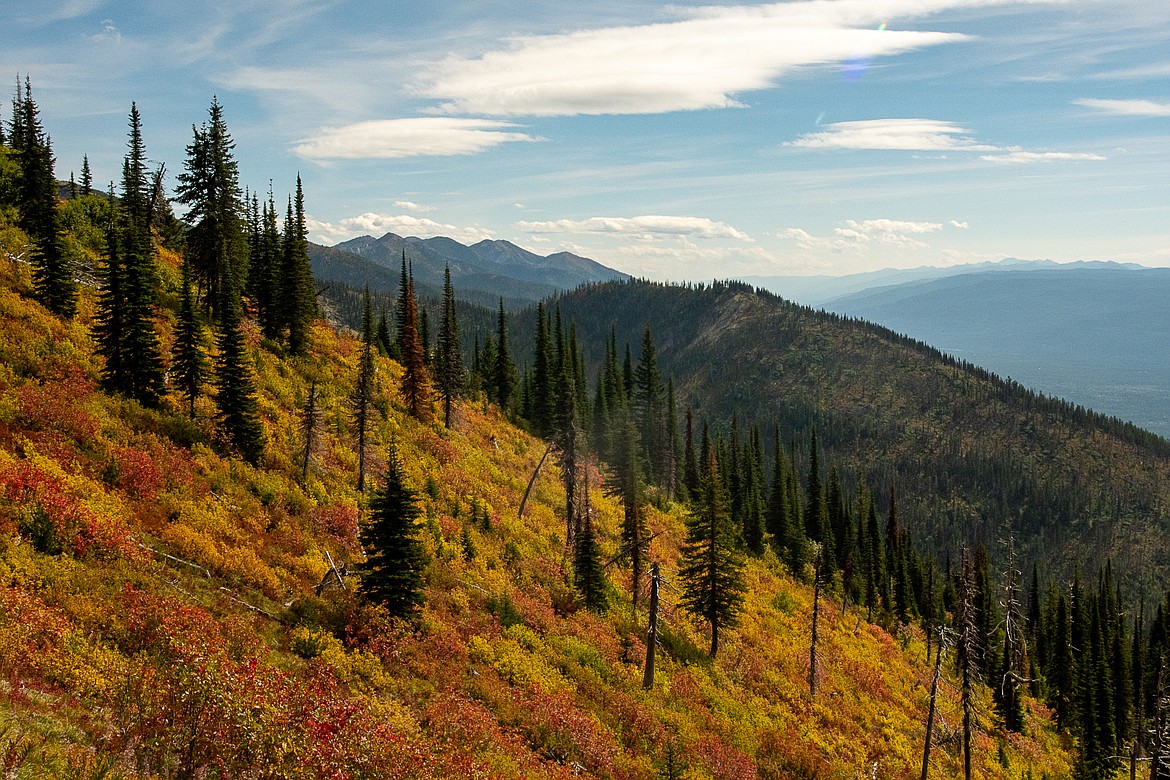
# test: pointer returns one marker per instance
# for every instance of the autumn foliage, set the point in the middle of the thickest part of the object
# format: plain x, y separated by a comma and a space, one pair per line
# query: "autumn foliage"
160, 616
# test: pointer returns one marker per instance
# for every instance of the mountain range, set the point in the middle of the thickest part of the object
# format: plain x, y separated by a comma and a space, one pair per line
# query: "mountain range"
482, 273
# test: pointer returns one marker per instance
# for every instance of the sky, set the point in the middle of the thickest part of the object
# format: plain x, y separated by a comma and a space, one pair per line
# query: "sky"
670, 141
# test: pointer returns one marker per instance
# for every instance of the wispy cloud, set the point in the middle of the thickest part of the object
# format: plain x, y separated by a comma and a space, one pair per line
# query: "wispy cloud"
858, 235
1020, 157
401, 224
922, 135
705, 60
410, 205
413, 137
641, 227
1126, 107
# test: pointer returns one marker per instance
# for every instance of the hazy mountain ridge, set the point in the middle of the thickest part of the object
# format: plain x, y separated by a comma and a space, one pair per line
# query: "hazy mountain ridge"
1093, 333
818, 290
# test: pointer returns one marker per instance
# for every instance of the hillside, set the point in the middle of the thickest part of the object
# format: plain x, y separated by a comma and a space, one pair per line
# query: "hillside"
975, 458
1095, 336
158, 616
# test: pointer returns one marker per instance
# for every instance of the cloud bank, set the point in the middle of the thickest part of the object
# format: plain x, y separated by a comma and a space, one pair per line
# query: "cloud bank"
644, 226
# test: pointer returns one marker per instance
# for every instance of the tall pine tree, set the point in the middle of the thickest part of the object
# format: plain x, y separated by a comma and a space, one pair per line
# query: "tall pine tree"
395, 560
449, 374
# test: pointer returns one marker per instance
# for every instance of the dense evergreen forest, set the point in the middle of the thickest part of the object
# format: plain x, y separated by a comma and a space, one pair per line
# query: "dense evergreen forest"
749, 460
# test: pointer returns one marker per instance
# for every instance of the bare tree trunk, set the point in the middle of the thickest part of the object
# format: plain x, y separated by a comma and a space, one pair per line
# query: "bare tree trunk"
532, 480
930, 711
812, 649
652, 630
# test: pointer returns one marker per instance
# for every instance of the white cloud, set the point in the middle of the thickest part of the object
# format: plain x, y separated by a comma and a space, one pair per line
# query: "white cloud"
110, 33
402, 224
1019, 157
1127, 107
641, 227
410, 205
704, 60
858, 236
924, 135
412, 137
960, 225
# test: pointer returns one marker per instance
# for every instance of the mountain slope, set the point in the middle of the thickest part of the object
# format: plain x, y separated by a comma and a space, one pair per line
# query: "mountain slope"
176, 632
974, 458
1095, 336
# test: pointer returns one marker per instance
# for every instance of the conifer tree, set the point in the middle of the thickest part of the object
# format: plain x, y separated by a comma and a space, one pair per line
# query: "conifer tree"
363, 393
625, 483
310, 419
783, 522
298, 294
235, 395
816, 513
712, 571
449, 374
543, 390
416, 383
588, 574
382, 337
210, 187
690, 462
189, 356
52, 271
648, 409
395, 560
504, 371
86, 177
141, 363
268, 286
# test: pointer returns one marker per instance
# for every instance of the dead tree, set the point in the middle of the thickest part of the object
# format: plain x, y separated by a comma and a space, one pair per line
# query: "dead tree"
933, 700
652, 629
812, 648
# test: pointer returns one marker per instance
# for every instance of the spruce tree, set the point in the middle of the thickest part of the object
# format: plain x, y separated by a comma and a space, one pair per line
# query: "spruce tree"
625, 483
783, 522
52, 271
298, 293
712, 571
86, 177
268, 282
449, 374
188, 357
216, 238
235, 395
543, 389
504, 371
393, 572
363, 392
588, 574
416, 383
141, 361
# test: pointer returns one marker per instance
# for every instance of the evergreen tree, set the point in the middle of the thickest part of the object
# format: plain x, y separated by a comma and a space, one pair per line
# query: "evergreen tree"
648, 410
363, 392
588, 575
625, 483
542, 393
141, 363
52, 271
189, 357
449, 376
267, 271
504, 371
235, 395
782, 521
210, 188
382, 337
298, 293
416, 383
395, 560
816, 512
310, 419
712, 571
86, 177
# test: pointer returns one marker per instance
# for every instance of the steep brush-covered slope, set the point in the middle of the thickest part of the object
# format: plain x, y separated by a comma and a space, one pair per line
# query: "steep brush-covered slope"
158, 616
975, 458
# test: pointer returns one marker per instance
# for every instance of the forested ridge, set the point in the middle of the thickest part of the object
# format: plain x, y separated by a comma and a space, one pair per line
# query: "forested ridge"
975, 458
237, 541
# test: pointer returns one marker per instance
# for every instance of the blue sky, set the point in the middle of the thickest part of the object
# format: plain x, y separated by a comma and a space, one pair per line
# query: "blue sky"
680, 141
